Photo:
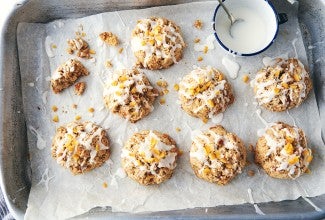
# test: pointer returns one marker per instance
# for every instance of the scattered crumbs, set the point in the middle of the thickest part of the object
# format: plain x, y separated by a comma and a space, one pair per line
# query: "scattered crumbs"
251, 148
205, 120
91, 51
200, 59
308, 171
162, 101
91, 110
108, 64
77, 118
54, 108
83, 34
74, 106
245, 78
176, 87
31, 84
197, 40
162, 83
80, 46
79, 88
120, 50
313, 151
248, 163
93, 60
105, 184
161, 93
205, 49
198, 24
165, 91
180, 152
55, 118
109, 38
251, 173
178, 129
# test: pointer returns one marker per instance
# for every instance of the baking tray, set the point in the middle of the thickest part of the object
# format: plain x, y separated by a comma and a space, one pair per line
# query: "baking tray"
14, 163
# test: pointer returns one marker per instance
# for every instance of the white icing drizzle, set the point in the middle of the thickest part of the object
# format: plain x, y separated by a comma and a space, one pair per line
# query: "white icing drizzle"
203, 84
231, 66
118, 88
210, 140
41, 143
48, 46
283, 88
45, 179
279, 137
68, 67
154, 154
78, 134
312, 204
257, 209
156, 39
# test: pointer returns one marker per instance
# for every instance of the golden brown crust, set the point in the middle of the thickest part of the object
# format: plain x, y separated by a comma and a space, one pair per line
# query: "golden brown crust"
283, 85
157, 43
123, 95
196, 93
154, 169
217, 156
292, 153
80, 146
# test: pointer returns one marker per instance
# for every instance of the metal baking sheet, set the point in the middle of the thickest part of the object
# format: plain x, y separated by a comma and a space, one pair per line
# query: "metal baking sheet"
15, 178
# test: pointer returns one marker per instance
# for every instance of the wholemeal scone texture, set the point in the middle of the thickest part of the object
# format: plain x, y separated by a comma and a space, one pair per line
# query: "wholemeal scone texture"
150, 157
80, 146
204, 93
67, 74
129, 93
282, 151
157, 43
217, 156
282, 85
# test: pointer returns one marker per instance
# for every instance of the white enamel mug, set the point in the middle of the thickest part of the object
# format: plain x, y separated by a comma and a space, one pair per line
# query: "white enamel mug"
253, 35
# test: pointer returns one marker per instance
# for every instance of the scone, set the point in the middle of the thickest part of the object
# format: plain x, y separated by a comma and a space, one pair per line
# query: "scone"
217, 156
282, 86
282, 151
157, 43
150, 157
129, 94
80, 146
204, 93
67, 74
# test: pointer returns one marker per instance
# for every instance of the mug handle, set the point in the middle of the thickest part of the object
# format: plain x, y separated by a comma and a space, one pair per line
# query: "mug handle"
282, 18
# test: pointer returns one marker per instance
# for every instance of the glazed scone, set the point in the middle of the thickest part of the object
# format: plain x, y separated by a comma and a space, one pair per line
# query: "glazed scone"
157, 43
204, 93
283, 85
150, 157
80, 146
217, 156
282, 151
67, 74
129, 94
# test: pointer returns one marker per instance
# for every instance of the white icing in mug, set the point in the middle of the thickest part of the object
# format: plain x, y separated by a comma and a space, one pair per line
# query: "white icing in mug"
251, 36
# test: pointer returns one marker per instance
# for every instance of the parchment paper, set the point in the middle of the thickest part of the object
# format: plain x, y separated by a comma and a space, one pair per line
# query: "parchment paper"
57, 194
